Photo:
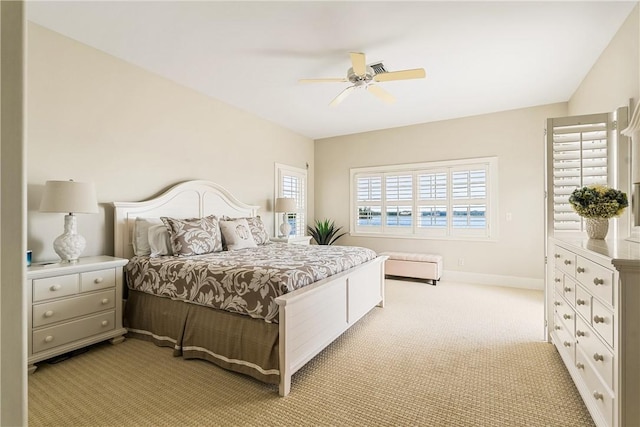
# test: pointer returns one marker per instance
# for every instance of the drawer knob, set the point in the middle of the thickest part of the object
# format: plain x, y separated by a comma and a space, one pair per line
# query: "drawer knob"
580, 269
105, 301
598, 396
567, 289
557, 255
598, 319
579, 365
48, 313
557, 303
557, 327
48, 338
55, 288
567, 262
579, 333
557, 280
580, 301
567, 344
597, 281
566, 316
598, 357
105, 323
98, 280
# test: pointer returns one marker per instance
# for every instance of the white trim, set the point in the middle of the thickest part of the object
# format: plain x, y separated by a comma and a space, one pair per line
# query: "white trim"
493, 280
235, 361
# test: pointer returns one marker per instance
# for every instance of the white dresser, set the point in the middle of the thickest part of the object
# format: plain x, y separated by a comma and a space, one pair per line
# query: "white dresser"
72, 305
596, 324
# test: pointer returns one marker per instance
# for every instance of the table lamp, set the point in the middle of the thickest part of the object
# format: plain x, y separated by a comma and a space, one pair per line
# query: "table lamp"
285, 205
69, 197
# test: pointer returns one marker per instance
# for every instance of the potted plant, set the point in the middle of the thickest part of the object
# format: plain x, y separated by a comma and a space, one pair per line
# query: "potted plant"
325, 232
596, 204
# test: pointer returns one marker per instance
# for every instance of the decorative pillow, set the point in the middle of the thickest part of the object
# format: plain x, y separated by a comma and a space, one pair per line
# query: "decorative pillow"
236, 234
258, 230
194, 236
141, 235
159, 240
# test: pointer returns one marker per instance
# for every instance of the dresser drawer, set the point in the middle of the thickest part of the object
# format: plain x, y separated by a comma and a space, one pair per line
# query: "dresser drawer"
583, 302
54, 287
598, 392
565, 312
602, 321
598, 280
558, 281
99, 279
593, 348
564, 339
55, 336
56, 311
569, 291
565, 260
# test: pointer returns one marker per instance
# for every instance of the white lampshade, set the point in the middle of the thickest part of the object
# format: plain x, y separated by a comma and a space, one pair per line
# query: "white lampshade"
285, 204
69, 197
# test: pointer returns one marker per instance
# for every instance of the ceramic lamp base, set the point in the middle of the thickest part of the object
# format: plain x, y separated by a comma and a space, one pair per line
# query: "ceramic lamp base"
69, 245
285, 227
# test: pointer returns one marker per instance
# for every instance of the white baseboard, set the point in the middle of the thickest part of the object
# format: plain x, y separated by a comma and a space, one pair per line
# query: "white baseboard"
493, 280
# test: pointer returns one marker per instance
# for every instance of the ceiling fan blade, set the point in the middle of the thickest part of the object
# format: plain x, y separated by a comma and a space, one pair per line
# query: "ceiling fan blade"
381, 93
358, 63
329, 80
341, 96
416, 73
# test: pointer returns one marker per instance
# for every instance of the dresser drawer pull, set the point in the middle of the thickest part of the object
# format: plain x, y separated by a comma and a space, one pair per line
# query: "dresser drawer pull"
557, 327
557, 255
598, 319
598, 395
580, 269
597, 281
579, 365
567, 289
105, 323
48, 313
557, 303
580, 302
557, 280
105, 301
567, 344
566, 316
567, 262
98, 280
579, 333
48, 338
598, 357
55, 288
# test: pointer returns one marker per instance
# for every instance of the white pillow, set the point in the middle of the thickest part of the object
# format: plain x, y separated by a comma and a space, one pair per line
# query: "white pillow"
236, 234
141, 235
159, 241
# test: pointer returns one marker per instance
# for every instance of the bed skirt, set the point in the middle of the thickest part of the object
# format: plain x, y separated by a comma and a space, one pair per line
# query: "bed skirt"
232, 341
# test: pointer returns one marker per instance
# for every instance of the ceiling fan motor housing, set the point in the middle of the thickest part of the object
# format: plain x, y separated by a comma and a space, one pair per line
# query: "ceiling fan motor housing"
363, 79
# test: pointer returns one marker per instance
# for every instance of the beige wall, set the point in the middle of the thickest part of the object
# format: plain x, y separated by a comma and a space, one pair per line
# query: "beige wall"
92, 117
515, 137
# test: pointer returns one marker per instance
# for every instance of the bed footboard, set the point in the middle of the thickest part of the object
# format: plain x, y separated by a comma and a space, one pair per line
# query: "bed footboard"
312, 317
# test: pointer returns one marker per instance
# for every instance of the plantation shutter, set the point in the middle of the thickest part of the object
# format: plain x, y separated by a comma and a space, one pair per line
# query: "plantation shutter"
292, 182
577, 156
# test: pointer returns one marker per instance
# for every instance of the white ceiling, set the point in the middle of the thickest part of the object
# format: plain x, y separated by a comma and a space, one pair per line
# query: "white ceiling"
479, 57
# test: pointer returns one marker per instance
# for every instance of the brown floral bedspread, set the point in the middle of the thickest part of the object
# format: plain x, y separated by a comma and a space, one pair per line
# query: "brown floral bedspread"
245, 281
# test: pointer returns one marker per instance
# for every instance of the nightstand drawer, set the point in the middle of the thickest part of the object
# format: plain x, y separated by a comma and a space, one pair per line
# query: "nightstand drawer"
55, 336
100, 279
54, 287
56, 311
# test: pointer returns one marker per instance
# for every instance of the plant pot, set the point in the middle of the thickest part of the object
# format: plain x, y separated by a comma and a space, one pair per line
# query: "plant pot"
597, 228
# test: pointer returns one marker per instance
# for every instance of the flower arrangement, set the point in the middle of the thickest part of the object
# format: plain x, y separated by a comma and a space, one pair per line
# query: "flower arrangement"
598, 201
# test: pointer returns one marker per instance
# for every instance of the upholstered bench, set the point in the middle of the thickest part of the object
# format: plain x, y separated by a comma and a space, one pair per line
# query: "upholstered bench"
413, 265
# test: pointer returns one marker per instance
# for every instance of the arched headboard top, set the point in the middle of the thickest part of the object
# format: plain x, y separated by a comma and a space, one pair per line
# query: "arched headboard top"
189, 199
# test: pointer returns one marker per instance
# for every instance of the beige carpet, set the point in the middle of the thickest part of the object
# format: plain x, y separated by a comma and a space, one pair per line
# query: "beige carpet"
450, 355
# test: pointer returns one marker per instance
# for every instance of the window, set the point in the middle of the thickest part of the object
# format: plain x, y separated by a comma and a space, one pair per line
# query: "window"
451, 199
292, 182
578, 156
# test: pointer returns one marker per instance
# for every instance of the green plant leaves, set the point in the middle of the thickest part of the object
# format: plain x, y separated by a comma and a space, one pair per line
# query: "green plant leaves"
324, 232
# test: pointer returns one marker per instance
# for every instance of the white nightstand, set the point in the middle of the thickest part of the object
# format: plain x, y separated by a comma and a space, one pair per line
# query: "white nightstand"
293, 240
72, 305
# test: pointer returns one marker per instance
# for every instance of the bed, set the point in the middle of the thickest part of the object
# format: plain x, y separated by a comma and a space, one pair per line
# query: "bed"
269, 337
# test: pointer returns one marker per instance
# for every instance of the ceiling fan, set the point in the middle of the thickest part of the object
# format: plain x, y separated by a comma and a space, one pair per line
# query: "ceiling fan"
365, 77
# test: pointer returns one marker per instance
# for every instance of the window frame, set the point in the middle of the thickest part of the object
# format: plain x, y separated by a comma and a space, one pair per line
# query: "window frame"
282, 170
415, 231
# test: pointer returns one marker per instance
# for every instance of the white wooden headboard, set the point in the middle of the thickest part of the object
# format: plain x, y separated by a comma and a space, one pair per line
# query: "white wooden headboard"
189, 199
